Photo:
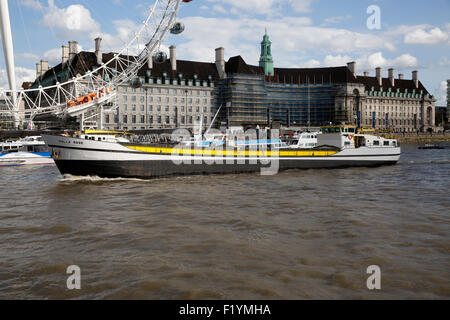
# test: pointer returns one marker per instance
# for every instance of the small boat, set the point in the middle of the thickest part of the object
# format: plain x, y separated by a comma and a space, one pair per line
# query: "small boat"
28, 151
109, 157
303, 140
430, 146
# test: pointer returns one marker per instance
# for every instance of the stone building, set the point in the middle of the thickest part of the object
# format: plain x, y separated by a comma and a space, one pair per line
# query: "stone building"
448, 101
177, 93
317, 96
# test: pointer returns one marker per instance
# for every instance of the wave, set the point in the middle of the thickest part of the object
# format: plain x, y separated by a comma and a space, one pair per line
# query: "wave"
442, 161
71, 178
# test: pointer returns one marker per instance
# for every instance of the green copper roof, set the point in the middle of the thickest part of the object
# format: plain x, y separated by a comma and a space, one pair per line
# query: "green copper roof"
266, 59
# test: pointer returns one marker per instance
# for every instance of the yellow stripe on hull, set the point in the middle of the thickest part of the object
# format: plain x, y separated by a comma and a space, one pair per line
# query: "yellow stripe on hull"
232, 153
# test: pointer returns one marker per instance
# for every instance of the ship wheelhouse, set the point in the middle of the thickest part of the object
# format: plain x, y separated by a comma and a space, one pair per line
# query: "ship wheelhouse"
349, 137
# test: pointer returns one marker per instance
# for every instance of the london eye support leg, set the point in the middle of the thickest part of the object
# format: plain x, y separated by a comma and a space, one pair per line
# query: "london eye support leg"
8, 49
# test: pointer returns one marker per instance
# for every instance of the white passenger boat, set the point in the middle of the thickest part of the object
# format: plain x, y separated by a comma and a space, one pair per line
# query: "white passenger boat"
338, 147
28, 151
303, 140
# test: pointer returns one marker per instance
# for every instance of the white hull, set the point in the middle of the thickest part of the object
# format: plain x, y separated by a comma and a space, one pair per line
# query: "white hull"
24, 158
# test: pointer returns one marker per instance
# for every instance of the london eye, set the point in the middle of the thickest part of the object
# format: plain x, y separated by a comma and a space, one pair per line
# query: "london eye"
87, 96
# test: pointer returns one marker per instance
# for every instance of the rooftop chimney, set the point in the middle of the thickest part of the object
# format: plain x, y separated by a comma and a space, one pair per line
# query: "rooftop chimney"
391, 77
38, 69
150, 61
220, 62
352, 67
379, 78
366, 74
44, 66
73, 49
173, 57
65, 53
415, 78
401, 76
98, 50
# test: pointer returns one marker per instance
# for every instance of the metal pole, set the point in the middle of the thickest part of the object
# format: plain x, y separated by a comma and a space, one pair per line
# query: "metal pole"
8, 50
309, 106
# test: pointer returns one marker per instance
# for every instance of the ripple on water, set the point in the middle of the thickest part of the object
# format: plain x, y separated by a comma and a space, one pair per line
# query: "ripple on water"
300, 234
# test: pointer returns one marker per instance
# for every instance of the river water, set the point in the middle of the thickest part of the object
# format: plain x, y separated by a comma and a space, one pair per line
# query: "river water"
307, 234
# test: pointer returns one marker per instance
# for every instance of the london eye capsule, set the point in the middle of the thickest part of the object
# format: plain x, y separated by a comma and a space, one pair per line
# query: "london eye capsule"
177, 28
160, 57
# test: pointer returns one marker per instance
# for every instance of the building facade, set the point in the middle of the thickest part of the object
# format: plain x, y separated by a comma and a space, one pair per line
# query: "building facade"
317, 96
178, 93
448, 101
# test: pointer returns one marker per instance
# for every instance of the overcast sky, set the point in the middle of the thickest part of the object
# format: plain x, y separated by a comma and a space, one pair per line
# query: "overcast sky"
413, 35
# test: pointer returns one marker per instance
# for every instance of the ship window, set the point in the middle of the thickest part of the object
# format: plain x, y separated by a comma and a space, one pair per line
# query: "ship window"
376, 143
351, 130
386, 143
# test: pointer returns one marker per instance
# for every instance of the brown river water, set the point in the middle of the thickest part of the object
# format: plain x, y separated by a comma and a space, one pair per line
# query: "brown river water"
306, 234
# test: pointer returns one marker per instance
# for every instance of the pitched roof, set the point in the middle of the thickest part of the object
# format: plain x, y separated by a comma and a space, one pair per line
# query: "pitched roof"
342, 74
86, 61
187, 68
401, 84
237, 65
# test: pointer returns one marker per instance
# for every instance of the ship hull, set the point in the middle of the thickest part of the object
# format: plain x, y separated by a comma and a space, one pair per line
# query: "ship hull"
111, 160
153, 169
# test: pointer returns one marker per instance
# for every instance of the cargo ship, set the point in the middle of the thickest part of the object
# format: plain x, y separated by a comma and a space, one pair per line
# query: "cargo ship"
112, 155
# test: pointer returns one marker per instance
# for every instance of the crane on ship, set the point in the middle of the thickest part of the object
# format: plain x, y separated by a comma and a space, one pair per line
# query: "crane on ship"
88, 96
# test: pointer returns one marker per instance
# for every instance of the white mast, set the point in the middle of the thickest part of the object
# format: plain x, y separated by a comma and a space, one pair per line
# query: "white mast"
8, 50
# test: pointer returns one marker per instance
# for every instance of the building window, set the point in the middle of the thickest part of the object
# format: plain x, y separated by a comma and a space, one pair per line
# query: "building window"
167, 120
125, 119
107, 118
167, 108
142, 119
133, 98
134, 118
183, 119
124, 98
159, 119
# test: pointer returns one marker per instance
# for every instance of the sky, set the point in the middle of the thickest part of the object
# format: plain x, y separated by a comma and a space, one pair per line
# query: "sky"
406, 34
